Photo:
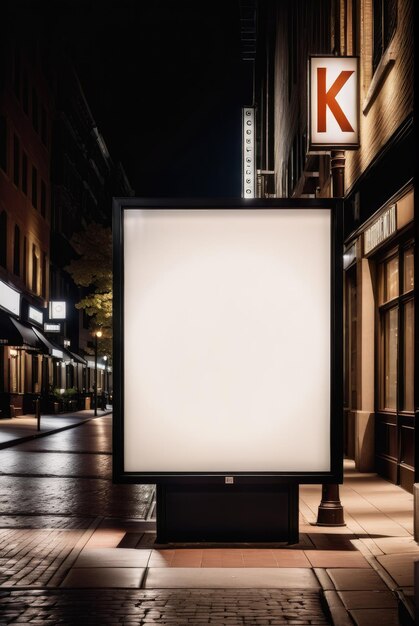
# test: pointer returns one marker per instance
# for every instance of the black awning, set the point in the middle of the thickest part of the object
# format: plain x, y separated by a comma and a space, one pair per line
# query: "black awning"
52, 348
16, 334
77, 358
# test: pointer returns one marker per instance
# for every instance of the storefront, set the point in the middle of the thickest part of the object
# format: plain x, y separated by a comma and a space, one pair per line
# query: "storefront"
379, 341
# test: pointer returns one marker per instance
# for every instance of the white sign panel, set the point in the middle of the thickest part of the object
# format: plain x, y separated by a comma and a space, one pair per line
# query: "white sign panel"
248, 153
226, 368
9, 298
52, 328
57, 310
334, 102
36, 315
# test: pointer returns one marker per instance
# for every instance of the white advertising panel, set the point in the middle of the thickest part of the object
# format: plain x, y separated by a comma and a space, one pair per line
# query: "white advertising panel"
333, 102
226, 341
9, 298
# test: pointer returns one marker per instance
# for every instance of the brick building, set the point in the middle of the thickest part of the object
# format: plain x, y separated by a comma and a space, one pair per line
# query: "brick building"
381, 325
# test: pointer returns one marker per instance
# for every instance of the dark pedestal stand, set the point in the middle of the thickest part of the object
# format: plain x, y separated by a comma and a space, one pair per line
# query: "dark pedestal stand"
227, 513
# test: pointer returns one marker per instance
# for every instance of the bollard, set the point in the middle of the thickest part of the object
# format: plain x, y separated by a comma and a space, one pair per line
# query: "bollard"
38, 413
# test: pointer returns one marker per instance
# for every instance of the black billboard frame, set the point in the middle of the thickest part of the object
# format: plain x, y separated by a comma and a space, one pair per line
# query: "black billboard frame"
335, 474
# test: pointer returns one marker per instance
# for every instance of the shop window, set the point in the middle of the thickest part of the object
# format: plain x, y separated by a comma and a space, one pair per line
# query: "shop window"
408, 276
3, 239
43, 198
384, 26
34, 187
408, 364
390, 357
16, 160
35, 373
396, 314
24, 173
3, 143
16, 251
35, 110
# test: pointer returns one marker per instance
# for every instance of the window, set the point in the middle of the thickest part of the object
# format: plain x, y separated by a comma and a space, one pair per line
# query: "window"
24, 173
44, 126
25, 92
3, 239
43, 198
16, 74
25, 261
35, 121
34, 187
34, 269
44, 275
3, 143
385, 22
396, 312
16, 251
16, 160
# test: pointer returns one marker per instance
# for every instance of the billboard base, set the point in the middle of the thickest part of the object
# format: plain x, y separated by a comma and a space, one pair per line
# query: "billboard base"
227, 513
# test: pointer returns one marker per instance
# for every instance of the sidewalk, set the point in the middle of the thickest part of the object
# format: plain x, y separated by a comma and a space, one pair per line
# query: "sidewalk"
364, 570
24, 427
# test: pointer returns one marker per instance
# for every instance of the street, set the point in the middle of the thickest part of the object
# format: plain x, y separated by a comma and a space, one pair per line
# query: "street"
68, 475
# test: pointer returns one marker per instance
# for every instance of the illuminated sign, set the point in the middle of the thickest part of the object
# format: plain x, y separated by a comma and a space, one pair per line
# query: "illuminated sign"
91, 364
57, 353
248, 156
380, 230
52, 328
333, 102
35, 315
57, 310
220, 362
9, 298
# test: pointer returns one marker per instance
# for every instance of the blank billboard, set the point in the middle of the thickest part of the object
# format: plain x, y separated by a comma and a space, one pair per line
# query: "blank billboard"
226, 340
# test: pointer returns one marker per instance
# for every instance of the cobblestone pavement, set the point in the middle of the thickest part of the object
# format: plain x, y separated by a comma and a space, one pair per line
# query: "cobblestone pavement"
31, 557
51, 491
239, 607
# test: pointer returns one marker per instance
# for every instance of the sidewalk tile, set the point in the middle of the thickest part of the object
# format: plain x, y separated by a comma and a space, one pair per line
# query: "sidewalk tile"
383, 617
346, 579
224, 578
104, 577
400, 567
336, 558
112, 557
368, 599
396, 545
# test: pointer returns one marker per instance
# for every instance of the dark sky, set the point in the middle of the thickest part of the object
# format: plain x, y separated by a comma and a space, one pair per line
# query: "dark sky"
165, 83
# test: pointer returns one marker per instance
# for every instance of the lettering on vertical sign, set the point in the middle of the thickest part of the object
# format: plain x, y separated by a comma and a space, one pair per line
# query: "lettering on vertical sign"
333, 102
248, 152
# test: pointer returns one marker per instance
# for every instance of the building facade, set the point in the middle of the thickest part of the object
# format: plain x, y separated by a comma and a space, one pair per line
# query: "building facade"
26, 113
56, 177
381, 325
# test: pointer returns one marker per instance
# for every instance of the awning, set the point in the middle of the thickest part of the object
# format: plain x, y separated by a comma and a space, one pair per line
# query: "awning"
16, 334
52, 348
77, 358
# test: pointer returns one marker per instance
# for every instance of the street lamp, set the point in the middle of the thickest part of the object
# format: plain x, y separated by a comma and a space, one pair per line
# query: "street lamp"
98, 333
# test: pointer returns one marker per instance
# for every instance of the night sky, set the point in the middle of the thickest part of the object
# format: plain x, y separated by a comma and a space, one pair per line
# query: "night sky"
165, 84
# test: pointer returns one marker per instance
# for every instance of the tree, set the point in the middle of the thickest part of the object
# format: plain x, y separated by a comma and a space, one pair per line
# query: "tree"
92, 270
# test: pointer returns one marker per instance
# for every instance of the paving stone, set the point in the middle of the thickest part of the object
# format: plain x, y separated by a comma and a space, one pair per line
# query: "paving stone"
184, 577
368, 599
99, 577
356, 579
383, 617
110, 557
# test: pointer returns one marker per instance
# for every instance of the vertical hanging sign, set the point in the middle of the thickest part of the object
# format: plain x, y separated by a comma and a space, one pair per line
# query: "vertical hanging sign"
333, 102
248, 153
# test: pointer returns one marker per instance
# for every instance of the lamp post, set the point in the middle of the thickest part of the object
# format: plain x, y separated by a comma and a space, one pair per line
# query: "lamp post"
98, 333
